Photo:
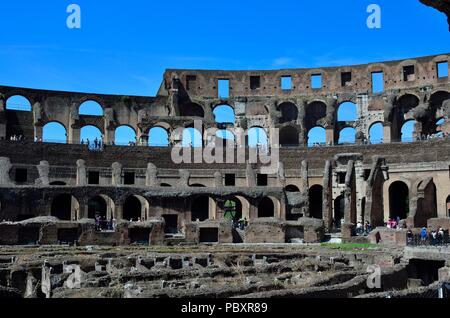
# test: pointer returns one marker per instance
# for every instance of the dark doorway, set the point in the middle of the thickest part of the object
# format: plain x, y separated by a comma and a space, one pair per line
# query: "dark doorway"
425, 270
97, 207
171, 224
315, 202
200, 209
448, 205
62, 207
28, 235
209, 235
266, 208
339, 208
67, 236
132, 209
140, 236
398, 200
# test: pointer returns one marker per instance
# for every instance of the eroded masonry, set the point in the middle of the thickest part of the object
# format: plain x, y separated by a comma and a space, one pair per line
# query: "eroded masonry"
111, 194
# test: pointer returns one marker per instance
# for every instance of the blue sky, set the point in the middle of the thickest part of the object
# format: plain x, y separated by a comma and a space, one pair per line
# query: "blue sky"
124, 47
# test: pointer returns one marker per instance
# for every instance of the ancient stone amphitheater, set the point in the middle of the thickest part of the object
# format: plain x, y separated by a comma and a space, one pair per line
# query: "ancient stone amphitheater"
51, 193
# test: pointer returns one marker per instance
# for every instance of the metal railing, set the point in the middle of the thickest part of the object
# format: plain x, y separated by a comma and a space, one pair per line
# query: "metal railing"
430, 240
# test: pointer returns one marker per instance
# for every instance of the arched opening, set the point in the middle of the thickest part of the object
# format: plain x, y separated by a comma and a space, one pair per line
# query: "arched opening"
225, 137
398, 200
339, 210
316, 112
408, 131
266, 208
447, 202
224, 114
158, 137
97, 207
315, 202
90, 108
437, 111
289, 137
347, 136
439, 127
347, 111
257, 137
192, 138
291, 188
132, 209
165, 185
125, 136
18, 103
289, 112
232, 210
317, 136
192, 110
62, 207
376, 133
400, 114
200, 209
54, 132
89, 134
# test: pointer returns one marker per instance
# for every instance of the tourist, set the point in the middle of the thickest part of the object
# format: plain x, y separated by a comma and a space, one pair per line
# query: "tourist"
423, 235
359, 228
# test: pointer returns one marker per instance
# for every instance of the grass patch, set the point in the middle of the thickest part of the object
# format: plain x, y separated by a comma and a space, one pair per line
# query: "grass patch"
349, 246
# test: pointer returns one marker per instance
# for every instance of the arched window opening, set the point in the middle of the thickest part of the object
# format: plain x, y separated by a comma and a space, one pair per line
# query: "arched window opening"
232, 210
376, 134
64, 207
348, 111
158, 137
289, 137
257, 137
291, 188
192, 110
408, 131
266, 208
18, 103
347, 136
90, 108
317, 137
289, 112
125, 136
54, 133
398, 200
132, 209
97, 208
192, 138
89, 134
200, 209
224, 114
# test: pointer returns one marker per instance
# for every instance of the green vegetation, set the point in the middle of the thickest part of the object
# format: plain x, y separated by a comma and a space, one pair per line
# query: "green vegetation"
349, 246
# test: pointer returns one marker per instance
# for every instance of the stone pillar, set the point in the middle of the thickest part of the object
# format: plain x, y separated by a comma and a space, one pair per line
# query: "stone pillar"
116, 177
184, 178
109, 137
75, 135
5, 168
81, 173
43, 170
3, 123
305, 188
387, 138
118, 213
330, 139
218, 179
151, 177
38, 133
251, 176
327, 206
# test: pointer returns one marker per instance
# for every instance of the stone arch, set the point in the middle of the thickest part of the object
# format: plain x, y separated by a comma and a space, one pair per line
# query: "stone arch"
192, 137
90, 132
125, 135
91, 107
317, 136
192, 110
347, 111
289, 112
376, 133
224, 114
236, 208
399, 199
316, 201
18, 103
338, 211
408, 130
269, 207
315, 114
291, 188
102, 206
447, 202
347, 135
136, 207
402, 113
201, 208
289, 136
158, 136
65, 207
257, 136
54, 132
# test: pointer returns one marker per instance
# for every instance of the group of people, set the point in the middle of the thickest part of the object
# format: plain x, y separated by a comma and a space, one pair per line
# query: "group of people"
17, 138
393, 223
97, 144
240, 224
102, 224
363, 229
433, 136
433, 237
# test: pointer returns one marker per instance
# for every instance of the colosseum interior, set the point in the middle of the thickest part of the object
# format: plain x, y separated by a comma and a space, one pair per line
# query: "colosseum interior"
122, 197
